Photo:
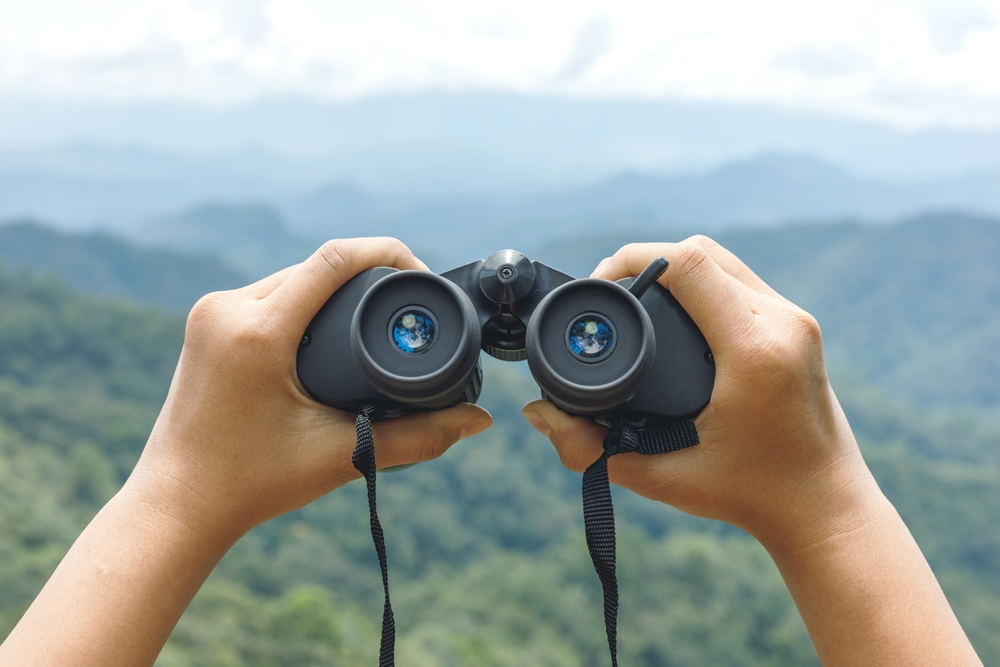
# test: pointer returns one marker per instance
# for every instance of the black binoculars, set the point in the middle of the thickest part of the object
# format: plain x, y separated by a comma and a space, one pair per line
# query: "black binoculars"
410, 340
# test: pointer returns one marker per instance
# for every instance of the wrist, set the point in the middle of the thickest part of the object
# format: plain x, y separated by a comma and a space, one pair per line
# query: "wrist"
184, 512
829, 507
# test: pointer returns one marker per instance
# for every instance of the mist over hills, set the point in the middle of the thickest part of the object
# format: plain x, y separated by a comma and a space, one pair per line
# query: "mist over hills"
125, 192
479, 158
105, 265
495, 141
909, 307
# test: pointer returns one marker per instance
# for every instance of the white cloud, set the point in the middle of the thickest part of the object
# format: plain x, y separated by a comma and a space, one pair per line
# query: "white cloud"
907, 62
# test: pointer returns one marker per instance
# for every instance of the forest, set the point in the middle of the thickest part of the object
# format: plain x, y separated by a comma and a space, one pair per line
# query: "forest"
488, 563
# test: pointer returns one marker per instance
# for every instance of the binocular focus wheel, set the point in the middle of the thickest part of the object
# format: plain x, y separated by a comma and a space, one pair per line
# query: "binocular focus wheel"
416, 338
590, 345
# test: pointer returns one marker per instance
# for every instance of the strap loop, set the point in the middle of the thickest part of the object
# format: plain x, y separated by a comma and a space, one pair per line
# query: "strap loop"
363, 459
599, 512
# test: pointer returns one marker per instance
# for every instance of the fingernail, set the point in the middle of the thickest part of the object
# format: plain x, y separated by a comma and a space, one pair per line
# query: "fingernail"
540, 424
475, 427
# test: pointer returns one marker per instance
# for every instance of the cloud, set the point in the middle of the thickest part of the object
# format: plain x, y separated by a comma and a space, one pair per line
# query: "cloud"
951, 22
834, 57
823, 61
591, 43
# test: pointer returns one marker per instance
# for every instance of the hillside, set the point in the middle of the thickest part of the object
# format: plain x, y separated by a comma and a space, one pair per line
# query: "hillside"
910, 307
489, 565
251, 239
99, 263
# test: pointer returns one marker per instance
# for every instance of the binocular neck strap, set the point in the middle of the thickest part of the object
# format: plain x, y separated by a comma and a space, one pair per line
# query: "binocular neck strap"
599, 513
363, 459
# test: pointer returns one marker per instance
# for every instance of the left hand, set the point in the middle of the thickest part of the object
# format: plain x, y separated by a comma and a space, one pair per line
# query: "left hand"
239, 441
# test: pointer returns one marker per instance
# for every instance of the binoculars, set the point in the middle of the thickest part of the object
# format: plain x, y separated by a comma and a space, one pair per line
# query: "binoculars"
411, 341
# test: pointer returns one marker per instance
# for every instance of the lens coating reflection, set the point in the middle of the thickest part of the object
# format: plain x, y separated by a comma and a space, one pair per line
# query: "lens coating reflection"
413, 331
590, 337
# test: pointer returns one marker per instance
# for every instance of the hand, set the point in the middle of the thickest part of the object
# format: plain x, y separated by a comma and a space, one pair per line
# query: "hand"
238, 440
777, 457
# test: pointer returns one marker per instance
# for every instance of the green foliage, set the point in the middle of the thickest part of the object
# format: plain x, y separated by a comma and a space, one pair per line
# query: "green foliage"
102, 264
488, 561
909, 307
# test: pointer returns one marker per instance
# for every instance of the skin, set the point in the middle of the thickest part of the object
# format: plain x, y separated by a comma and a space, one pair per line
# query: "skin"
777, 458
239, 442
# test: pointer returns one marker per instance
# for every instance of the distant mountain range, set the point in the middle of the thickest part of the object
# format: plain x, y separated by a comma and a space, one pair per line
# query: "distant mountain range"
105, 265
910, 306
488, 143
136, 194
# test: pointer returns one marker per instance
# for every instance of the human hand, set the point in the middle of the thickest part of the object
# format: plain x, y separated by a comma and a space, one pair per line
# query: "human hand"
239, 441
777, 456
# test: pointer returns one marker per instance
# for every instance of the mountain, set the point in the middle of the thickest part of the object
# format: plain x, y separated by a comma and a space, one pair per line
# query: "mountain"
102, 264
766, 190
87, 164
252, 239
492, 142
910, 306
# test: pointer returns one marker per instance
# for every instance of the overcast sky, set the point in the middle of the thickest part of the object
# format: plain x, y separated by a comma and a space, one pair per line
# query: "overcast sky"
910, 63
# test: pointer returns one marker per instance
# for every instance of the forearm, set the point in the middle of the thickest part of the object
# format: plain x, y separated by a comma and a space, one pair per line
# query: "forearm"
121, 588
868, 597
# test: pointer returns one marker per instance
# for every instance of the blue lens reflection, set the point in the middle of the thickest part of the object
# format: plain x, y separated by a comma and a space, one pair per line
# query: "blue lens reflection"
413, 332
590, 337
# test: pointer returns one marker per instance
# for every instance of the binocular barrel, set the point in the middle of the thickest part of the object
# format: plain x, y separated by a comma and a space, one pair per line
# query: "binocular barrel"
411, 339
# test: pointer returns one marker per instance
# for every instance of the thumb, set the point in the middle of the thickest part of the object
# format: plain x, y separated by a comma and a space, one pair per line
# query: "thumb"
577, 440
426, 435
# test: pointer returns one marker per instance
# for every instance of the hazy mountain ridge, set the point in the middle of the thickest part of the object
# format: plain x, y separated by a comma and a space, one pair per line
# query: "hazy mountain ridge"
123, 191
103, 264
887, 296
515, 138
251, 238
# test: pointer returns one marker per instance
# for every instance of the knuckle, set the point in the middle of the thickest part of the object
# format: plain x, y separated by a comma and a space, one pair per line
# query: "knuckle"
704, 241
336, 254
807, 326
688, 256
205, 313
396, 247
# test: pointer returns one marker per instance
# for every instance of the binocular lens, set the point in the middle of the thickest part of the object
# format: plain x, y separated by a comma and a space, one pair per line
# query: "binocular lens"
413, 331
416, 338
590, 345
590, 337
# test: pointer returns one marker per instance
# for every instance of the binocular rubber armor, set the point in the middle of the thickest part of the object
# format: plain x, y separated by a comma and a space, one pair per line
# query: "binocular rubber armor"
410, 341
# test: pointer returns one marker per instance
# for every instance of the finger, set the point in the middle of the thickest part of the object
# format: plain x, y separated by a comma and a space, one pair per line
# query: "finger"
577, 440
263, 287
733, 265
426, 435
618, 266
311, 283
712, 297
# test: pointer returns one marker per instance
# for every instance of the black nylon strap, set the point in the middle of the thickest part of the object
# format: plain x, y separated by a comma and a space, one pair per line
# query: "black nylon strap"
599, 512
363, 459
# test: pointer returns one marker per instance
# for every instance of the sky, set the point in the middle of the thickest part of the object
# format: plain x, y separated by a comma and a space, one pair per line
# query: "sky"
907, 63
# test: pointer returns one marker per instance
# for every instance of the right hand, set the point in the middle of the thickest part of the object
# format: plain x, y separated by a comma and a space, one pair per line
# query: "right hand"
777, 456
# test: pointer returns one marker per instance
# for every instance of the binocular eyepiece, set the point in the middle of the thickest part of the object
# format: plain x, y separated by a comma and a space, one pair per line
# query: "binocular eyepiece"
415, 339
